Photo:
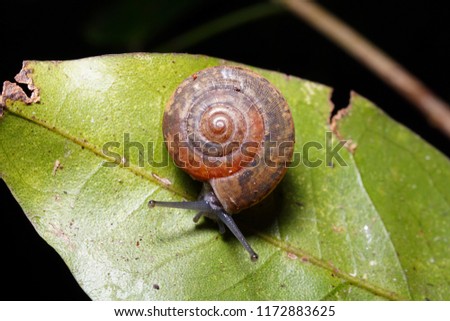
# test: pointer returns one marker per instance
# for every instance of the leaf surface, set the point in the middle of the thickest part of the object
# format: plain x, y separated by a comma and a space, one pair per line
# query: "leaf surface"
371, 223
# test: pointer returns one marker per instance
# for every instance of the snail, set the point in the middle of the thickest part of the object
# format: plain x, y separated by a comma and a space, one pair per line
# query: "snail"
230, 128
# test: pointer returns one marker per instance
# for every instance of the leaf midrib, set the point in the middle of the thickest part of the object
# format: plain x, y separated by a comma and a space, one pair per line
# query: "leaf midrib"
306, 257
85, 144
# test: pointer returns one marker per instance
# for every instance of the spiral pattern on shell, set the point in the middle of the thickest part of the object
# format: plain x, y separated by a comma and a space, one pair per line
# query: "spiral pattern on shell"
218, 126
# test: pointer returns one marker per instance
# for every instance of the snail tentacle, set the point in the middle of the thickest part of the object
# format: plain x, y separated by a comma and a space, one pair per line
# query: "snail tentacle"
208, 205
229, 222
200, 205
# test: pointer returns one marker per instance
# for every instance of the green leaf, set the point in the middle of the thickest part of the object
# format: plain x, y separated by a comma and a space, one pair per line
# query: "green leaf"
372, 223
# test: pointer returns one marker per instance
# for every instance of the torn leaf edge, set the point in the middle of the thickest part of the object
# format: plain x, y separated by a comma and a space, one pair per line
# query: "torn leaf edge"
350, 145
11, 91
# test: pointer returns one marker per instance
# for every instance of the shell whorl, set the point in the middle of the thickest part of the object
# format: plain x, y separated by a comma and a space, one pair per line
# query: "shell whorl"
220, 126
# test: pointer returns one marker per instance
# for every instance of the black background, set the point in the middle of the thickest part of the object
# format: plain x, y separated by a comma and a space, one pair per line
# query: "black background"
414, 33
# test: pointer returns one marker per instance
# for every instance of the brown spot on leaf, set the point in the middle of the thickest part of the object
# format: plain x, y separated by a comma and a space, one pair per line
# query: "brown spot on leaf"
58, 231
164, 181
56, 167
351, 146
338, 229
156, 286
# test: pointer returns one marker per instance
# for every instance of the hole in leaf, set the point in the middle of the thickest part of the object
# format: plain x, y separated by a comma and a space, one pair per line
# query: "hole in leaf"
25, 89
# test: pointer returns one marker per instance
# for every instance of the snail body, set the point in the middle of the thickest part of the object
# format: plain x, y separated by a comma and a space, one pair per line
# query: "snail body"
231, 129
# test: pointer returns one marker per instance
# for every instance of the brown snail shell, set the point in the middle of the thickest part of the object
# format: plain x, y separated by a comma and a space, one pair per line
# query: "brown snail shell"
232, 128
